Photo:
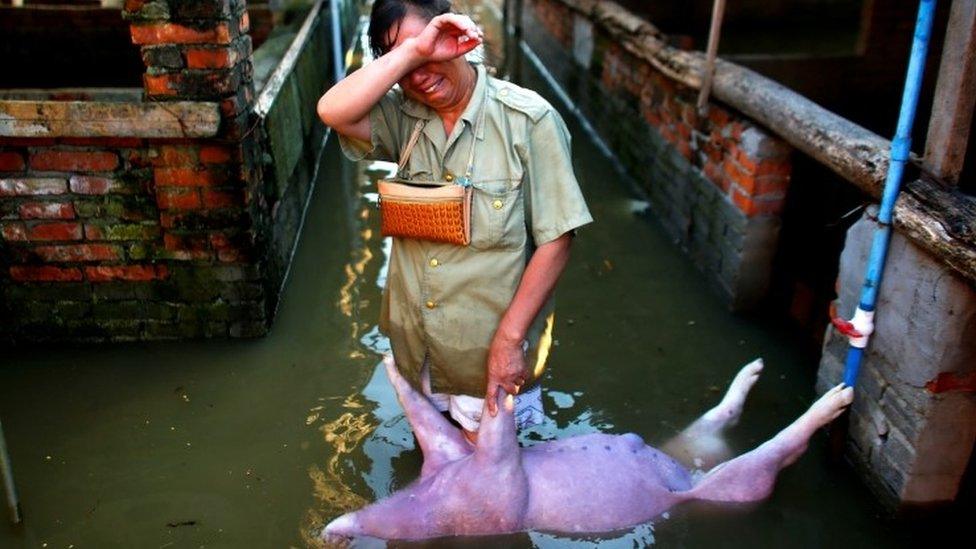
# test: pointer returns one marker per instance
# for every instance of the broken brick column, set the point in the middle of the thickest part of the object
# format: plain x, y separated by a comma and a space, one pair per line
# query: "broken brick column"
200, 51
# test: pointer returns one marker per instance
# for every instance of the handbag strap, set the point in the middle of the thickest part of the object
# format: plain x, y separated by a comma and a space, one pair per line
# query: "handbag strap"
465, 180
405, 155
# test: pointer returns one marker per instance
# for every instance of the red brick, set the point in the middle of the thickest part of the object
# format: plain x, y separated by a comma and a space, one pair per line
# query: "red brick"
736, 174
237, 103
14, 232
210, 58
684, 130
137, 158
171, 33
134, 5
160, 84
189, 177
717, 116
46, 273
47, 210
774, 167
32, 186
126, 272
78, 252
11, 162
74, 161
755, 206
221, 199
214, 154
55, 231
87, 184
193, 243
177, 199
771, 187
748, 163
174, 155
743, 201
231, 255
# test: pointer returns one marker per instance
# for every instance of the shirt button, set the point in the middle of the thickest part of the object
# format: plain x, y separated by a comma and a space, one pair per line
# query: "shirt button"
431, 304
434, 262
503, 91
449, 177
497, 204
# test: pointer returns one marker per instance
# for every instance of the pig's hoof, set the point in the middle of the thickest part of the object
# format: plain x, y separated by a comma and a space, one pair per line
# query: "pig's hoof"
829, 406
728, 411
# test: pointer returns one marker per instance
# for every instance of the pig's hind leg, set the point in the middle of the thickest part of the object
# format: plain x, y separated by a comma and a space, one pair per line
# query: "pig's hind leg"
439, 441
700, 445
751, 476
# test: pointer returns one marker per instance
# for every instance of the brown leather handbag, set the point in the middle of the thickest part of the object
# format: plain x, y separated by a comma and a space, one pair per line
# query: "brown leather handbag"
434, 211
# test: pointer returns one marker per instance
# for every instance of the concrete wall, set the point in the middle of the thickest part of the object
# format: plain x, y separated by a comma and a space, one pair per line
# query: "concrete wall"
913, 422
717, 183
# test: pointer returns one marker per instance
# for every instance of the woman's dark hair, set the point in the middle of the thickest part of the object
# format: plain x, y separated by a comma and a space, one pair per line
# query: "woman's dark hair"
388, 13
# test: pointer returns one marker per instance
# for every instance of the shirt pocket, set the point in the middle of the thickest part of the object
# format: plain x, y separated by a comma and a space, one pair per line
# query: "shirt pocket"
497, 215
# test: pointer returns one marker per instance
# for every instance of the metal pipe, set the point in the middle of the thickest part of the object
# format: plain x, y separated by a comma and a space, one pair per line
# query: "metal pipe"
861, 326
718, 10
7, 476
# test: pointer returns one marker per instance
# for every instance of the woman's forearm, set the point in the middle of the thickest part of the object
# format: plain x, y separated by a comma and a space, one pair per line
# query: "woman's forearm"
346, 104
538, 281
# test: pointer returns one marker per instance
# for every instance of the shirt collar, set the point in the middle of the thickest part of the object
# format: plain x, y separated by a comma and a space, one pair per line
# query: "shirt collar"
471, 112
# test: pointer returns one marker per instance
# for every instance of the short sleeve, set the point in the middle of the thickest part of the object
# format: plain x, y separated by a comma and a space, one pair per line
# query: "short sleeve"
556, 204
385, 120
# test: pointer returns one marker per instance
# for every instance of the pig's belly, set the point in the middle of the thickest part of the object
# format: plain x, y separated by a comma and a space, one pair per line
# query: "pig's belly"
598, 483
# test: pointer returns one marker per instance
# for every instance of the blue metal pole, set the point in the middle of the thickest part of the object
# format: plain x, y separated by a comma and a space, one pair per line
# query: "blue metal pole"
863, 321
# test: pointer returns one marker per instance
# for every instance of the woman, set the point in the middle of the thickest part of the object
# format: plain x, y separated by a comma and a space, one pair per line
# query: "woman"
464, 321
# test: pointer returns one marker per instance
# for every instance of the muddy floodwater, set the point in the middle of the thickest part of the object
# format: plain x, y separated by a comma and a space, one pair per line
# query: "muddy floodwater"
259, 443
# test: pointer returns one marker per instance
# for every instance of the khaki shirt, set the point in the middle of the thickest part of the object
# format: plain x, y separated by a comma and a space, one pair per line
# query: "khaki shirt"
444, 301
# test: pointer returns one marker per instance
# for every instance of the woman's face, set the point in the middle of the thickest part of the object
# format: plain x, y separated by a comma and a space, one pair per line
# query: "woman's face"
441, 85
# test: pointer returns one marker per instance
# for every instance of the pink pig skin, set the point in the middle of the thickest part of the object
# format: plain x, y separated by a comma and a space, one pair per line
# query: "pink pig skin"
590, 483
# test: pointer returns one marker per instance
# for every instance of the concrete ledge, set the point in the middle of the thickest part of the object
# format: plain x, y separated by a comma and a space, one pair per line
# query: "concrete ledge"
49, 118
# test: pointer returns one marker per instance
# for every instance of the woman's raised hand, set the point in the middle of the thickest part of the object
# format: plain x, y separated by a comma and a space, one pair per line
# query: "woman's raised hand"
447, 36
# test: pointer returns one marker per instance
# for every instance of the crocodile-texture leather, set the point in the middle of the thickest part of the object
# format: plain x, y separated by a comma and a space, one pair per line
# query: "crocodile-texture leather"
436, 221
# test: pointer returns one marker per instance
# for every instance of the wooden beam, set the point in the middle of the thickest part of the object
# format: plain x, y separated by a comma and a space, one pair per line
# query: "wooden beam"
20, 118
955, 94
941, 221
714, 32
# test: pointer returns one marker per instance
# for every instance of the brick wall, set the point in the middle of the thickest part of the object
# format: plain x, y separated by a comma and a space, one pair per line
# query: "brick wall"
717, 182
131, 237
